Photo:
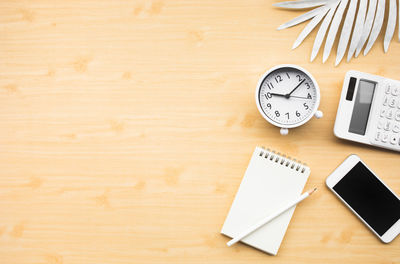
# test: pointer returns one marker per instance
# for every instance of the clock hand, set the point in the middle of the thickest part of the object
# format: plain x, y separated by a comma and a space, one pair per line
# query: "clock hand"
297, 86
283, 95
300, 97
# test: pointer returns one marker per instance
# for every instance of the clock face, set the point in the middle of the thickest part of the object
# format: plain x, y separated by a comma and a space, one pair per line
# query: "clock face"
288, 97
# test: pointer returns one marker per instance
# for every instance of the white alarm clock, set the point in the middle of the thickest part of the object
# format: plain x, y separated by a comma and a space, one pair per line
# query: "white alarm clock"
288, 96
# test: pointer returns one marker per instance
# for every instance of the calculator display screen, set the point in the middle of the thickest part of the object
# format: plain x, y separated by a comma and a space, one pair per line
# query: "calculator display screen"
369, 197
362, 106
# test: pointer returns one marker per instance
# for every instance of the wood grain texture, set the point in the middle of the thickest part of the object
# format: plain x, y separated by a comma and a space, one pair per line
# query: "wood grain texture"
126, 127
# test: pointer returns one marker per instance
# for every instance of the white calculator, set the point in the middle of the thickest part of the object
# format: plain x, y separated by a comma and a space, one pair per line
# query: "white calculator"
369, 110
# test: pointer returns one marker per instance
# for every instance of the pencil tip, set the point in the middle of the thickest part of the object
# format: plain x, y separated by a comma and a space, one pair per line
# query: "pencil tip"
313, 190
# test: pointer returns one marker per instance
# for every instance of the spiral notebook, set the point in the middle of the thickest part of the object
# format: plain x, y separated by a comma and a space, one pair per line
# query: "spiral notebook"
270, 181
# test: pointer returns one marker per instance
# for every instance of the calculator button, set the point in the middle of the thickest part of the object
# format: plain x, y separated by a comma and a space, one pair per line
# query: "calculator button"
397, 115
394, 139
396, 128
392, 102
385, 137
383, 112
387, 89
385, 100
395, 90
378, 136
389, 114
388, 126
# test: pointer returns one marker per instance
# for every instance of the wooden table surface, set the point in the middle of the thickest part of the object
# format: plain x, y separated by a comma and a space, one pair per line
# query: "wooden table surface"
126, 127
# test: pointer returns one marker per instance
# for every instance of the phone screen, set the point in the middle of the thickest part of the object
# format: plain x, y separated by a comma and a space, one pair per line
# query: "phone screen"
369, 197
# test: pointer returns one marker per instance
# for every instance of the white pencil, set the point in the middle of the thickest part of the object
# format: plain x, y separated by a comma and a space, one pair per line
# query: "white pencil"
265, 220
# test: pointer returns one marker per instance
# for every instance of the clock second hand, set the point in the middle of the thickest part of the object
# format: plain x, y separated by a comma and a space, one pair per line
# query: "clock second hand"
300, 97
284, 95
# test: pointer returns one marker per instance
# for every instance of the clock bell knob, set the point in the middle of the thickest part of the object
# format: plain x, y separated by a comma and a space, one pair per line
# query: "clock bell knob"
284, 131
319, 114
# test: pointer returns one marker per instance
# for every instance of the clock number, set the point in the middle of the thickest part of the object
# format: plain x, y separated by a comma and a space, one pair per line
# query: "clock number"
288, 75
299, 77
309, 96
269, 105
270, 86
308, 86
277, 113
306, 106
268, 95
278, 79
297, 113
287, 115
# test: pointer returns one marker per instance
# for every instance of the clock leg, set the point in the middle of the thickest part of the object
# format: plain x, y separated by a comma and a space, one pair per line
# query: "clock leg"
284, 131
319, 114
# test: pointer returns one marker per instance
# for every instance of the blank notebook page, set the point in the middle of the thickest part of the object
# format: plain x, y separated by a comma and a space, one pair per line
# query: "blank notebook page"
267, 185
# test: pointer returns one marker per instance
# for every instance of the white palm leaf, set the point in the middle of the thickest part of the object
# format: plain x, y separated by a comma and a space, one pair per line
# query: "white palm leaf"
358, 28
363, 20
391, 24
369, 20
376, 28
333, 29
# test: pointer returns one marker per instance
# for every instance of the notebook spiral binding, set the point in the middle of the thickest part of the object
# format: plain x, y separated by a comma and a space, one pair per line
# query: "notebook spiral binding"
283, 160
